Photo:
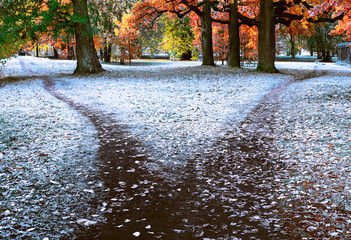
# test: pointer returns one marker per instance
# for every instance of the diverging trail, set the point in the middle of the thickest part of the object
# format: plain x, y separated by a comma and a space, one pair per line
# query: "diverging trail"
224, 192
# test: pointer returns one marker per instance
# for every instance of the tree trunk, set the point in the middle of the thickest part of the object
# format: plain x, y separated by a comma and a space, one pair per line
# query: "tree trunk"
87, 58
292, 46
37, 50
129, 53
234, 39
70, 53
107, 52
326, 56
186, 56
206, 35
56, 56
266, 38
101, 54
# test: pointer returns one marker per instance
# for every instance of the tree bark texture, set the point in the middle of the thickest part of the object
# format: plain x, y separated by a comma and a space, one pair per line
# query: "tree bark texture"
234, 39
206, 35
266, 37
87, 58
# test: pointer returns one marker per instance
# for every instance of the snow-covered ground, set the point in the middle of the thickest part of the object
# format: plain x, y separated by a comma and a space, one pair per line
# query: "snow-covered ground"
47, 164
313, 66
174, 111
47, 150
314, 142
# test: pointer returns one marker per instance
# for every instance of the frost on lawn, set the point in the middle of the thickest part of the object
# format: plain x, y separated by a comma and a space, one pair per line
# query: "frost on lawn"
314, 141
11, 68
46, 66
174, 111
46, 161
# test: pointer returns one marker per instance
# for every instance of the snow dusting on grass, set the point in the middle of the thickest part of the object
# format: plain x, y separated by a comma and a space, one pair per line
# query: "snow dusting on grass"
314, 140
47, 154
48, 169
174, 111
45, 66
11, 68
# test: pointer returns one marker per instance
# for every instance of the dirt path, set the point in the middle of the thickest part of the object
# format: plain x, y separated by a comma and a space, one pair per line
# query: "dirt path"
224, 192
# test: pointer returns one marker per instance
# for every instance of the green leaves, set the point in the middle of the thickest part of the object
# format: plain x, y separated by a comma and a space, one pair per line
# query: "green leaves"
178, 36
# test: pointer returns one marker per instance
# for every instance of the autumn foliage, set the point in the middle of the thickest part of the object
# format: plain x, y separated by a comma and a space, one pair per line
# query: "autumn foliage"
127, 35
293, 18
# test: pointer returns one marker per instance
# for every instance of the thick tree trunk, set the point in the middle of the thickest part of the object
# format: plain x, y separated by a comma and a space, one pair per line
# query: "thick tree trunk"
206, 35
234, 39
326, 56
87, 58
266, 37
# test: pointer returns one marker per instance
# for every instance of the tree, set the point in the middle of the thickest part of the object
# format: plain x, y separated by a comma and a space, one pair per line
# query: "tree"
248, 42
178, 37
220, 41
206, 33
343, 27
151, 37
15, 25
152, 9
104, 14
285, 12
266, 37
28, 19
325, 43
234, 35
87, 59
127, 35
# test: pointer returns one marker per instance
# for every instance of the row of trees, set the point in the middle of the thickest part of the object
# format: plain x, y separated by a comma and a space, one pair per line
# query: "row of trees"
220, 25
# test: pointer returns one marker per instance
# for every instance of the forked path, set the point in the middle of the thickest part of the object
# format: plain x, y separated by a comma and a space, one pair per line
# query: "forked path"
224, 193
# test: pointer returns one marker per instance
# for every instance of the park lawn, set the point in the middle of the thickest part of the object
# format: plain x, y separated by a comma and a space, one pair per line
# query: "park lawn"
48, 151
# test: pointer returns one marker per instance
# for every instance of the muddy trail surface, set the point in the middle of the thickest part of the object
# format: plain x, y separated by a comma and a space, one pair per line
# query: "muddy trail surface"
225, 192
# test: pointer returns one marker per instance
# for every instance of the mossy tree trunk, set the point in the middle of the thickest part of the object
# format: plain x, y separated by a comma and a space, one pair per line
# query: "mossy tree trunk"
87, 58
266, 38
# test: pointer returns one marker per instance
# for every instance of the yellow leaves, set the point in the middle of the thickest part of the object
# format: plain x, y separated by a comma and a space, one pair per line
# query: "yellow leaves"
127, 33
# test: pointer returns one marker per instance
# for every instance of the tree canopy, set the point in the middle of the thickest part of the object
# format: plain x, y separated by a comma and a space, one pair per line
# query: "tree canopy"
216, 29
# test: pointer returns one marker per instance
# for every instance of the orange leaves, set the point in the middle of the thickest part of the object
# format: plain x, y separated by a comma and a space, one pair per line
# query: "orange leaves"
344, 25
220, 41
98, 42
248, 42
127, 34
